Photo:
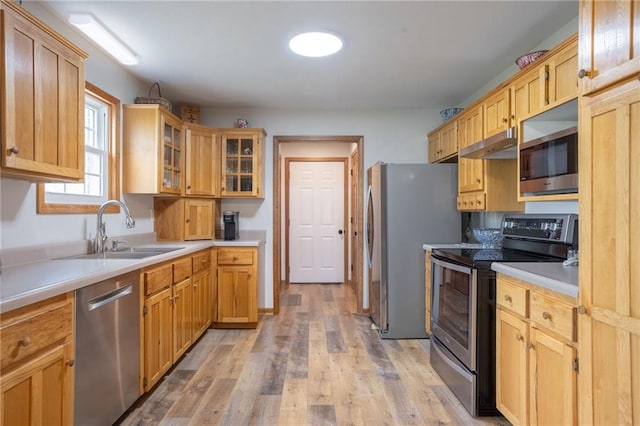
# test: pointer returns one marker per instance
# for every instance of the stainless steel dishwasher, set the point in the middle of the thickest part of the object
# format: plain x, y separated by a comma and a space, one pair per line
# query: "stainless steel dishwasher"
107, 349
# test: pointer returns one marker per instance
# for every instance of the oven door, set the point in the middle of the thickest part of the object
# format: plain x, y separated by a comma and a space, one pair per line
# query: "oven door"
453, 311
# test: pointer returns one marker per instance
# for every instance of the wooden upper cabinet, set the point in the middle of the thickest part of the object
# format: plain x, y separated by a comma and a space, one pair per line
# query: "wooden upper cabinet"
443, 143
497, 112
153, 151
181, 218
42, 100
242, 170
470, 171
609, 42
529, 93
562, 76
202, 165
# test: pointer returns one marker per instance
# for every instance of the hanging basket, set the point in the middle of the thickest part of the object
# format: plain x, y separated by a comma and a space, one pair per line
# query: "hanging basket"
165, 103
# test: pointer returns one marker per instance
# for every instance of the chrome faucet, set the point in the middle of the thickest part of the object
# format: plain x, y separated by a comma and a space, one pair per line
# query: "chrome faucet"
101, 233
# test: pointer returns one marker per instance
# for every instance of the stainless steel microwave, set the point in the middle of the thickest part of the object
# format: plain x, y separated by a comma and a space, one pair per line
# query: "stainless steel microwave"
549, 165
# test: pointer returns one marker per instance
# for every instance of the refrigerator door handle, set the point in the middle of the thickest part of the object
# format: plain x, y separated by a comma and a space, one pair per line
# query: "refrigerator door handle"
369, 225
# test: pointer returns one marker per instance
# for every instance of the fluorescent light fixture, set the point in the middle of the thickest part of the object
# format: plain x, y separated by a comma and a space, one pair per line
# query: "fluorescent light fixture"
315, 44
99, 34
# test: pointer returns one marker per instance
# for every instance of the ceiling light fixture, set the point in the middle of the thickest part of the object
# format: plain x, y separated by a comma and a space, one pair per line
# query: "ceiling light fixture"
99, 34
315, 44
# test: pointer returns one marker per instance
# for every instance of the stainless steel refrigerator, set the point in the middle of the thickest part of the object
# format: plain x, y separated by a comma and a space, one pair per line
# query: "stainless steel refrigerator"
408, 205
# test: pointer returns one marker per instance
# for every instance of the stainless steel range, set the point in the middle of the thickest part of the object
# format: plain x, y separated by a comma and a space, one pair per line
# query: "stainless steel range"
463, 302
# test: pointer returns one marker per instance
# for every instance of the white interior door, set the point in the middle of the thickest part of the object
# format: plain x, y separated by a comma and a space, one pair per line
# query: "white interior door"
316, 215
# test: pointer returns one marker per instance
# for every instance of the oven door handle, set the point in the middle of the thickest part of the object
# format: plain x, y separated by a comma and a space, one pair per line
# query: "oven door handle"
452, 266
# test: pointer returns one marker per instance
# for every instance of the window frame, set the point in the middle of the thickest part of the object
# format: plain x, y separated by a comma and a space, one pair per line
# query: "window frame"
113, 163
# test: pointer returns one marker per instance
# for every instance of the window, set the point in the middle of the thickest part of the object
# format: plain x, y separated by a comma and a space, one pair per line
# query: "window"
101, 175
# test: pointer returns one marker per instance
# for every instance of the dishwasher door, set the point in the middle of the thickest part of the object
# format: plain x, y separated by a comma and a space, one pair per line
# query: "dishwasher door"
107, 349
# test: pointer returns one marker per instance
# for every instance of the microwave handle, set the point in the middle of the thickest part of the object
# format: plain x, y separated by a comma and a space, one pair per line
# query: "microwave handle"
452, 266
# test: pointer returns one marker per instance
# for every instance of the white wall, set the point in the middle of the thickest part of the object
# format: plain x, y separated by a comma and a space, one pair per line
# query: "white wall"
19, 223
393, 136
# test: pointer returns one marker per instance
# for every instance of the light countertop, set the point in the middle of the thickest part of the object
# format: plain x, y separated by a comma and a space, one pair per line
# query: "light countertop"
24, 283
551, 275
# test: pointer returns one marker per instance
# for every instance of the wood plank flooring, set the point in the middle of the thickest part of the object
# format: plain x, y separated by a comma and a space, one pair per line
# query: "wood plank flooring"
315, 363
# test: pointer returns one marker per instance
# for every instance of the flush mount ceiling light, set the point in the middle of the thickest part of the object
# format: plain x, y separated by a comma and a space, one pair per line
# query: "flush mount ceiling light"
99, 34
315, 44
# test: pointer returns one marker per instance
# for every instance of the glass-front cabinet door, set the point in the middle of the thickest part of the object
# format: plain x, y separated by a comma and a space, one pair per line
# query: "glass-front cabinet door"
242, 162
172, 158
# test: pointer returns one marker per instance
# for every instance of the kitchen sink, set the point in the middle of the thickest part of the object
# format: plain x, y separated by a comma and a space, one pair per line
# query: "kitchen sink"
127, 253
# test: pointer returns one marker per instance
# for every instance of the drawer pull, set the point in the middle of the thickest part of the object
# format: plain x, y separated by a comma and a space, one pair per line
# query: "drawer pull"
25, 341
71, 362
507, 298
235, 259
546, 315
519, 337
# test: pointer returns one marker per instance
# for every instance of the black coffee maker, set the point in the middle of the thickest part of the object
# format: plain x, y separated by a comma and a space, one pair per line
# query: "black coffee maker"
231, 226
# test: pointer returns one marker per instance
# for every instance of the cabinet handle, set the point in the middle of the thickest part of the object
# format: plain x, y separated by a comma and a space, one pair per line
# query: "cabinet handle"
477, 180
507, 298
71, 362
582, 310
519, 337
546, 315
512, 116
176, 297
478, 202
187, 221
25, 341
195, 286
14, 150
530, 346
584, 73
504, 120
188, 186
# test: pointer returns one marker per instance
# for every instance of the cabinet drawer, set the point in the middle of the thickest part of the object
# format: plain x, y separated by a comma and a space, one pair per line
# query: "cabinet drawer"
34, 333
235, 257
158, 278
201, 261
181, 269
512, 297
479, 202
553, 315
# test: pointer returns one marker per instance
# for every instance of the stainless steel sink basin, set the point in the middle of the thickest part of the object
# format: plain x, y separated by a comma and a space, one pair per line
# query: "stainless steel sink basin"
127, 253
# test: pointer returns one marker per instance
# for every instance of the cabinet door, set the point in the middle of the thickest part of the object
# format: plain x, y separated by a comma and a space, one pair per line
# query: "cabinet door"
434, 147
182, 318
172, 154
563, 79
609, 42
470, 172
242, 164
427, 293
553, 392
42, 103
237, 298
449, 140
512, 379
496, 113
529, 93
201, 162
198, 219
609, 341
157, 336
201, 312
39, 391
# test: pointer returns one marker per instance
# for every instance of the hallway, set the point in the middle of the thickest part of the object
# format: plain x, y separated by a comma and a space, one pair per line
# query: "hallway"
315, 363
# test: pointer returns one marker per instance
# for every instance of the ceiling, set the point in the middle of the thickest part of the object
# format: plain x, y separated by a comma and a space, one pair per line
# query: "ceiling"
415, 54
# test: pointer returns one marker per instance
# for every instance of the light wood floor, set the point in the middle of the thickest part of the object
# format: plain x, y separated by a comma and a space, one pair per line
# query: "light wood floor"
315, 363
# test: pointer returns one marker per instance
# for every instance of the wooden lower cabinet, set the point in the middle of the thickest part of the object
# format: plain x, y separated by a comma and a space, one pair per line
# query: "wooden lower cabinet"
536, 356
37, 363
158, 351
237, 291
176, 311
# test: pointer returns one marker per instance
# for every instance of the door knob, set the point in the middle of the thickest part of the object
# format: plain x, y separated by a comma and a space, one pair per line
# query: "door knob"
340, 231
